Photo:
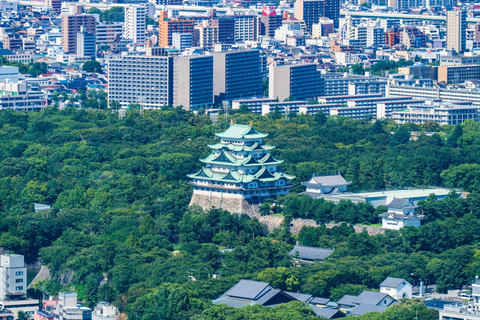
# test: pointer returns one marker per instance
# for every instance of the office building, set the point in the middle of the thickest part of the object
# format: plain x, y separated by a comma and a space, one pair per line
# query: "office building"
193, 82
338, 84
146, 80
86, 44
135, 23
442, 113
108, 32
168, 26
285, 107
182, 41
310, 11
9, 6
14, 95
236, 74
71, 26
456, 30
295, 81
385, 108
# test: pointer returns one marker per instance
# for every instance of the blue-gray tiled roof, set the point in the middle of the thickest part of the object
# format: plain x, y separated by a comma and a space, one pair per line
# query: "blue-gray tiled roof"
311, 253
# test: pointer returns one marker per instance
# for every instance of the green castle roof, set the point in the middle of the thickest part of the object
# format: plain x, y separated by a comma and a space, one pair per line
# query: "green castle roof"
226, 158
237, 148
241, 131
233, 175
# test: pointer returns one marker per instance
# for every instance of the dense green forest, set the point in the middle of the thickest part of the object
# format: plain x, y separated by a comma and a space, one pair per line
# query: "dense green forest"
120, 212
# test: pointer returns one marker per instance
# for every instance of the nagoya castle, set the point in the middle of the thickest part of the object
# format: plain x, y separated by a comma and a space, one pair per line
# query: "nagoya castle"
239, 173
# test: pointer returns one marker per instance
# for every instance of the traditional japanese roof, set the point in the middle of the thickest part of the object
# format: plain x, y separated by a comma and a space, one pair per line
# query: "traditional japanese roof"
370, 298
365, 308
226, 158
347, 300
247, 289
238, 148
398, 203
331, 180
319, 300
401, 216
240, 131
300, 296
392, 282
328, 313
310, 253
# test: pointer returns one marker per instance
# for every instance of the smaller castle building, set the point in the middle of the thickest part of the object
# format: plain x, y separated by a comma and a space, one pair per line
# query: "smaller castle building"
239, 173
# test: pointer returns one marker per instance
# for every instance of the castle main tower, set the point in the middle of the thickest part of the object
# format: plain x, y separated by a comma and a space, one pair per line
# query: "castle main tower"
239, 173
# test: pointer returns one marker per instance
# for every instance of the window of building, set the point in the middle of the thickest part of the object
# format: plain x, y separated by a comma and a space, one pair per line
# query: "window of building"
19, 273
19, 281
19, 288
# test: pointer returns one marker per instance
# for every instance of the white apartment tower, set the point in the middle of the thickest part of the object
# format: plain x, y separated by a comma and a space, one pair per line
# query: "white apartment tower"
13, 275
135, 23
456, 30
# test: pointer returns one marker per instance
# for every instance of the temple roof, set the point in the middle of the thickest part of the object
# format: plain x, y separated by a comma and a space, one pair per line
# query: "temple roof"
330, 180
401, 216
241, 131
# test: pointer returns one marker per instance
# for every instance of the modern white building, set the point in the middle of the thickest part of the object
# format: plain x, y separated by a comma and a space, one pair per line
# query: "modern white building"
104, 311
146, 80
135, 27
397, 288
182, 41
16, 96
441, 113
463, 311
254, 104
68, 309
434, 93
13, 275
401, 213
326, 184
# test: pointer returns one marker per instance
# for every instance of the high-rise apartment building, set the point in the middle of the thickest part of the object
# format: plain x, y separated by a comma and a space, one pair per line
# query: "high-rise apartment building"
310, 11
193, 82
146, 80
268, 22
168, 26
135, 25
299, 81
12, 42
71, 25
245, 27
206, 35
55, 4
107, 32
226, 28
236, 74
182, 41
456, 30
13, 275
86, 44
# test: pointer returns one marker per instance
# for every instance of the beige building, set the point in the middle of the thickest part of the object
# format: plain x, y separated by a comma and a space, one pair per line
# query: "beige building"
206, 35
71, 25
456, 30
458, 74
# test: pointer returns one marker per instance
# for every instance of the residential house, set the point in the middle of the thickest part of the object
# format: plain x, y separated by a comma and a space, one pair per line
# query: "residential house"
367, 301
397, 288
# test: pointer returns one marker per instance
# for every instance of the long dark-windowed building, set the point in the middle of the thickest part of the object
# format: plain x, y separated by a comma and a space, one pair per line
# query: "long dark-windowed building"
236, 74
310, 11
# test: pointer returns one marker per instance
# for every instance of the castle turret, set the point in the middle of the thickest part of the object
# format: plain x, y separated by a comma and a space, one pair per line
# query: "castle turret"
239, 173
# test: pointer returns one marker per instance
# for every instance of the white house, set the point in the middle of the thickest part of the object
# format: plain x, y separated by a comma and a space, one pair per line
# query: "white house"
396, 288
401, 213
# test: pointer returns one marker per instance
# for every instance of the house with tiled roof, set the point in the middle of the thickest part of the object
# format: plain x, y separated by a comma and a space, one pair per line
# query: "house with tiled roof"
401, 213
248, 292
365, 302
397, 288
305, 255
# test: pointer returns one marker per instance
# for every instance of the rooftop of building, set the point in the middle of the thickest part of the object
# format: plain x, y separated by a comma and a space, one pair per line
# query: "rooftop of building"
241, 131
